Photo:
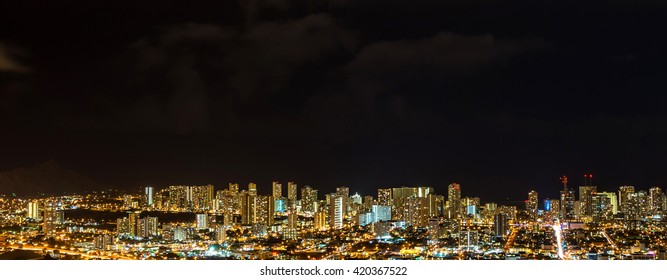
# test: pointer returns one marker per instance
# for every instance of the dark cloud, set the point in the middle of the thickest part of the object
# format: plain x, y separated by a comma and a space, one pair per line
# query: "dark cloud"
212, 73
8, 60
382, 77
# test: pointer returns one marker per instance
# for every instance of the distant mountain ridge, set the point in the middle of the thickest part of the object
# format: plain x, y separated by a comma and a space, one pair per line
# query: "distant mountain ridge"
47, 177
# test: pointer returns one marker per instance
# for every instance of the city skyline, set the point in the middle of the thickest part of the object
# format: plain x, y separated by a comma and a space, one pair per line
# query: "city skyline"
230, 222
550, 189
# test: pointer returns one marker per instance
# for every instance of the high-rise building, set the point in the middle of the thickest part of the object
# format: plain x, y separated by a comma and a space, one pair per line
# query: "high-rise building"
380, 213
418, 212
291, 195
356, 199
586, 194
500, 225
149, 196
277, 190
368, 202
221, 234
33, 210
290, 232
202, 221
234, 188
147, 227
436, 204
345, 193
454, 201
280, 205
226, 201
308, 200
103, 241
531, 204
433, 228
180, 234
132, 221
320, 220
603, 208
50, 217
623, 194
384, 197
252, 188
567, 202
178, 198
201, 198
336, 211
613, 201
655, 201
637, 206
265, 209
248, 208
555, 207
402, 209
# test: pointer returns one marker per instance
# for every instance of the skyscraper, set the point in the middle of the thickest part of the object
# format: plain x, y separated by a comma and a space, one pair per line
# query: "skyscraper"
336, 211
586, 199
265, 209
454, 201
418, 212
436, 204
380, 213
500, 225
201, 198
33, 210
320, 220
613, 201
248, 208
147, 227
368, 202
50, 217
567, 202
308, 199
637, 205
234, 188
252, 188
202, 221
384, 197
655, 200
402, 209
603, 209
345, 193
623, 194
277, 190
291, 195
149, 195
531, 204
178, 198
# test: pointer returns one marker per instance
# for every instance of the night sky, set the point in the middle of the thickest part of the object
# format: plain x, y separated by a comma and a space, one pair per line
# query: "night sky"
499, 96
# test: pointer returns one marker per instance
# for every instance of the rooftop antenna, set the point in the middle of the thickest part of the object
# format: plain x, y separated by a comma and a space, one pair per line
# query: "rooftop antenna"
564, 180
588, 179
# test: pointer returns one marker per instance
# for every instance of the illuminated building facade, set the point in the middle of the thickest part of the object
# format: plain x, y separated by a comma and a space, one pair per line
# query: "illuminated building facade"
308, 200
336, 211
531, 204
586, 194
454, 206
655, 201
624, 193
384, 197
277, 190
